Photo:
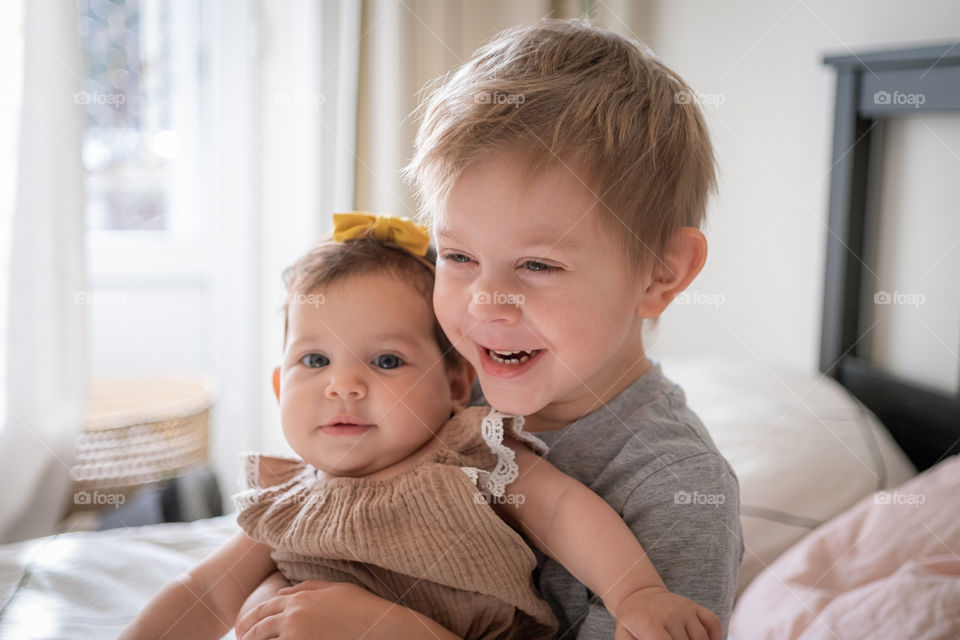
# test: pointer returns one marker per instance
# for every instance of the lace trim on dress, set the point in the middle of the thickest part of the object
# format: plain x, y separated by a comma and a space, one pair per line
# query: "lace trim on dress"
248, 482
251, 470
494, 483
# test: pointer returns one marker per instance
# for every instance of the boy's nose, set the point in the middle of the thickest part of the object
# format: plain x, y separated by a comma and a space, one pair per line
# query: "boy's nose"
495, 306
346, 386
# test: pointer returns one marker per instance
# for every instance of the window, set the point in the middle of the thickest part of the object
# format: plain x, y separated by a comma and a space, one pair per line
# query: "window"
140, 89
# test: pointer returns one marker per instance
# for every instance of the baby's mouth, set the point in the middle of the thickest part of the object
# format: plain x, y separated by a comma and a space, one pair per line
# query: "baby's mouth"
512, 357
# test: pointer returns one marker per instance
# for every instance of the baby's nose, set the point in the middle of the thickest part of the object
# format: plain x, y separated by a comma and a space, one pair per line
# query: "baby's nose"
346, 386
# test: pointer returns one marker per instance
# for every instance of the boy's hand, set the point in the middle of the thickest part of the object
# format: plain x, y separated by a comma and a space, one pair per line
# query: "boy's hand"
318, 609
313, 609
654, 613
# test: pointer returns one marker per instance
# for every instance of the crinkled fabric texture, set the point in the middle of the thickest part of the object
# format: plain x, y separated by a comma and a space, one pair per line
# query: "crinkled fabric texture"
426, 538
887, 568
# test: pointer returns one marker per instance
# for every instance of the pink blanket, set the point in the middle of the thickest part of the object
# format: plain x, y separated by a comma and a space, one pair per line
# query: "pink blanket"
889, 567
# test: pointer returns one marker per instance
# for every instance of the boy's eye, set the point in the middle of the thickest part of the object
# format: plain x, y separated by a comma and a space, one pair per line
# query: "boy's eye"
533, 265
315, 360
388, 361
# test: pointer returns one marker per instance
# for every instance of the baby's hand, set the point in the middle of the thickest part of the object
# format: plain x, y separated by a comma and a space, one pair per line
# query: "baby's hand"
656, 614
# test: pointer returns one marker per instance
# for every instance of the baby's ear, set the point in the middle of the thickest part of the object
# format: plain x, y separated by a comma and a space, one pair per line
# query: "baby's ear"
276, 382
686, 253
461, 379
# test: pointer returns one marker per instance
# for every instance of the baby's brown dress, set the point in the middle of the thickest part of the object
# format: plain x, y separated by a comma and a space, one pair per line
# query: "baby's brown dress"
427, 538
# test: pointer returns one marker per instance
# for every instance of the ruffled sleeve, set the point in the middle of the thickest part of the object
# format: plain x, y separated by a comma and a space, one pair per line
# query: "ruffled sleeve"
493, 480
266, 477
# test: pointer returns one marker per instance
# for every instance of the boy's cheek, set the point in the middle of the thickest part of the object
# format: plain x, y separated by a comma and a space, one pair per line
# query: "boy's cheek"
445, 306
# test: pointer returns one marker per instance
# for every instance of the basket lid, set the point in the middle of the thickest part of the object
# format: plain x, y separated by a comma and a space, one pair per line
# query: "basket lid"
115, 402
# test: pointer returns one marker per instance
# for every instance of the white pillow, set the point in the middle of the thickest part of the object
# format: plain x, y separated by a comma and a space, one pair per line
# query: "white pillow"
802, 447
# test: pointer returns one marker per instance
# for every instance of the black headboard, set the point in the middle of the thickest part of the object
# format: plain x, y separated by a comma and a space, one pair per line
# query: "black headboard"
870, 87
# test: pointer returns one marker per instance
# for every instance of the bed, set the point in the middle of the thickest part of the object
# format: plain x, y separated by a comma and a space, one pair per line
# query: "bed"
848, 475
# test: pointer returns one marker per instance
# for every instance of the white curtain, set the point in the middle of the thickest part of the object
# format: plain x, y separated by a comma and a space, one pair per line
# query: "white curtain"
45, 336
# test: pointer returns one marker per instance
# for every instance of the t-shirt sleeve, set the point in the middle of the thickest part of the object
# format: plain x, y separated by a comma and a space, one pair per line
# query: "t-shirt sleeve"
686, 517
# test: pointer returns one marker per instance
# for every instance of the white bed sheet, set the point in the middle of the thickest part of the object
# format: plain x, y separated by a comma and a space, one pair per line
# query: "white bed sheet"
80, 586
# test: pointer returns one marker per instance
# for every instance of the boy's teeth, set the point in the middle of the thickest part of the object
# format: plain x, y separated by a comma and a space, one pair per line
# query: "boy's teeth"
507, 357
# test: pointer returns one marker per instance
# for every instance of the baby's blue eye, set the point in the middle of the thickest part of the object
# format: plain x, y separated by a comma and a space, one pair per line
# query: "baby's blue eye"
315, 360
388, 361
456, 257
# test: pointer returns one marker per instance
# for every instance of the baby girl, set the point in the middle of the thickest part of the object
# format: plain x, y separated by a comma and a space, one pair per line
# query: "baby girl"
399, 486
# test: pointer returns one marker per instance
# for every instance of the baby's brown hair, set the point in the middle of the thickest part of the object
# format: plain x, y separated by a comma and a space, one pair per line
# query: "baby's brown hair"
331, 261
566, 91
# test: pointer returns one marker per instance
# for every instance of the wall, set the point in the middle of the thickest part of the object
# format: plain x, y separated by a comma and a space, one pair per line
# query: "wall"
760, 64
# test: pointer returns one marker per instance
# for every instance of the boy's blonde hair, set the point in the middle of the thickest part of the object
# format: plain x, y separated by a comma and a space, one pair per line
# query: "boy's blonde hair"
330, 262
565, 91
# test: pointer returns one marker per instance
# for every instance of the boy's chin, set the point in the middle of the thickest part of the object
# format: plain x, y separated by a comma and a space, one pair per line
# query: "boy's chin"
512, 402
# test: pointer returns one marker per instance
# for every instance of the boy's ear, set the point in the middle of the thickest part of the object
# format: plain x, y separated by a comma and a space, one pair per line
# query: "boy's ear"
461, 385
686, 254
276, 382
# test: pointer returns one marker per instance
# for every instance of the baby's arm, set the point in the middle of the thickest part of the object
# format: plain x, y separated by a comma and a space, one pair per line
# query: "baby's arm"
204, 602
578, 529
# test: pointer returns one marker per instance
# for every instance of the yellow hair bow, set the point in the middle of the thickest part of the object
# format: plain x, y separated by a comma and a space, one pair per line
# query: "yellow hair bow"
401, 232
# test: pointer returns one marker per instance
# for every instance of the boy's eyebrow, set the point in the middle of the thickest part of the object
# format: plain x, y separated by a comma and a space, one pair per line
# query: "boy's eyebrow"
534, 241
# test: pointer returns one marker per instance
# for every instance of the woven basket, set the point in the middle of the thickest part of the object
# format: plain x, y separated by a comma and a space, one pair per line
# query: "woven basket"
139, 431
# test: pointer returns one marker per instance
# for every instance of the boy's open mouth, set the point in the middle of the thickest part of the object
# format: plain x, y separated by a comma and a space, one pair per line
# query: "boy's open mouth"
504, 363
512, 357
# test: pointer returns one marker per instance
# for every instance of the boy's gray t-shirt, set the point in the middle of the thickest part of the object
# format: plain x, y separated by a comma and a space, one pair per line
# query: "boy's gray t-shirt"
649, 456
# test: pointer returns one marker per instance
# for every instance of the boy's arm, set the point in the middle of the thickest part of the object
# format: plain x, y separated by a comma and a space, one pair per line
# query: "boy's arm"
696, 545
204, 602
577, 528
